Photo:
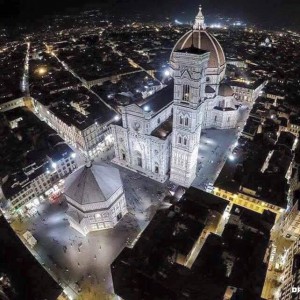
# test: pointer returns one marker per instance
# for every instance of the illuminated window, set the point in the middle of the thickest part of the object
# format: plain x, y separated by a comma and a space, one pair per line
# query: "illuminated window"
186, 93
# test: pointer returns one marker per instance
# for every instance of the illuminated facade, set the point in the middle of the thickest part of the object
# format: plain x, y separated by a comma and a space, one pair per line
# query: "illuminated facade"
26, 189
290, 278
89, 140
160, 137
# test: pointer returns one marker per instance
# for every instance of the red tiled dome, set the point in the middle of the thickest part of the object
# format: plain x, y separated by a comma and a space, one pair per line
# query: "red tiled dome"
201, 39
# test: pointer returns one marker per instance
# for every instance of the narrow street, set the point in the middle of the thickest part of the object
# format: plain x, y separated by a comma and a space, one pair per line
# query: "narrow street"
25, 77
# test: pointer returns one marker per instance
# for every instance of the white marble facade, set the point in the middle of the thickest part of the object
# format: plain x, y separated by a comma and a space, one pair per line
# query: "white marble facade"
162, 141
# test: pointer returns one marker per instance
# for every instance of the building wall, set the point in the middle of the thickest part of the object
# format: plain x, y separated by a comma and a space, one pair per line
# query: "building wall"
290, 276
37, 186
90, 141
101, 215
12, 104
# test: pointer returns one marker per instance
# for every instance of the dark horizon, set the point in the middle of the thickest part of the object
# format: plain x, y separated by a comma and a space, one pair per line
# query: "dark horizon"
267, 13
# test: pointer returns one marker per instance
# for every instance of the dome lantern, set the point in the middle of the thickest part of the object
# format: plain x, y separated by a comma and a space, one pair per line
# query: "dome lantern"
199, 21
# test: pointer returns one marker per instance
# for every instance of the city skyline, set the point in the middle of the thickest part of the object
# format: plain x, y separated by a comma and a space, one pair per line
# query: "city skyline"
269, 13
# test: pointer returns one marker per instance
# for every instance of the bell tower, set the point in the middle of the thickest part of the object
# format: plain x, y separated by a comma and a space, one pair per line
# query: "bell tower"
189, 67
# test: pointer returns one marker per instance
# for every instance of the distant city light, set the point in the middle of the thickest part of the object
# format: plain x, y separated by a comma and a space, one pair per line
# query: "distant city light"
178, 22
216, 25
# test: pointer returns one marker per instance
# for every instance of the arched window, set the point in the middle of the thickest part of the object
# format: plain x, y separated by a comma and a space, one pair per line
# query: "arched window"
181, 120
186, 92
123, 154
156, 168
186, 121
158, 121
138, 158
185, 141
179, 140
216, 118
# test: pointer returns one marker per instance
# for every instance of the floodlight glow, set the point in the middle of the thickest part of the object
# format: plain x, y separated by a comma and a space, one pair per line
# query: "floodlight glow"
73, 155
42, 71
167, 73
231, 157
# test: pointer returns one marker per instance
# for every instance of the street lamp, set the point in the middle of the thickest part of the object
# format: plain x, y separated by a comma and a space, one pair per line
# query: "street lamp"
42, 71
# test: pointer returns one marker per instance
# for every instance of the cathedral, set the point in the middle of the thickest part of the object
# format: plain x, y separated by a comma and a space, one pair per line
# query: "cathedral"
160, 137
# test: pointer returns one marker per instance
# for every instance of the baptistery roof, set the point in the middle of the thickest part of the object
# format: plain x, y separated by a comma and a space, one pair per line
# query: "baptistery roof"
92, 184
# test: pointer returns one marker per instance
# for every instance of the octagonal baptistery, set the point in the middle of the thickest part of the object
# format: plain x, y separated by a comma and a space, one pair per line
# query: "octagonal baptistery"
95, 197
201, 39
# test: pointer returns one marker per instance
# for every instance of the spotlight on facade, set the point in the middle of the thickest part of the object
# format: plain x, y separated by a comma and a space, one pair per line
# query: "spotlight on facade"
231, 157
73, 155
54, 165
146, 108
167, 73
117, 118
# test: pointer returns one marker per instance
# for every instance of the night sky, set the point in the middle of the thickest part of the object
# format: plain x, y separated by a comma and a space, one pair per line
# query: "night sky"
265, 12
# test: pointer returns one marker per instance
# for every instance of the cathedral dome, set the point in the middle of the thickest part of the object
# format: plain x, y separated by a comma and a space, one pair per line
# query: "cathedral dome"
225, 90
201, 39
